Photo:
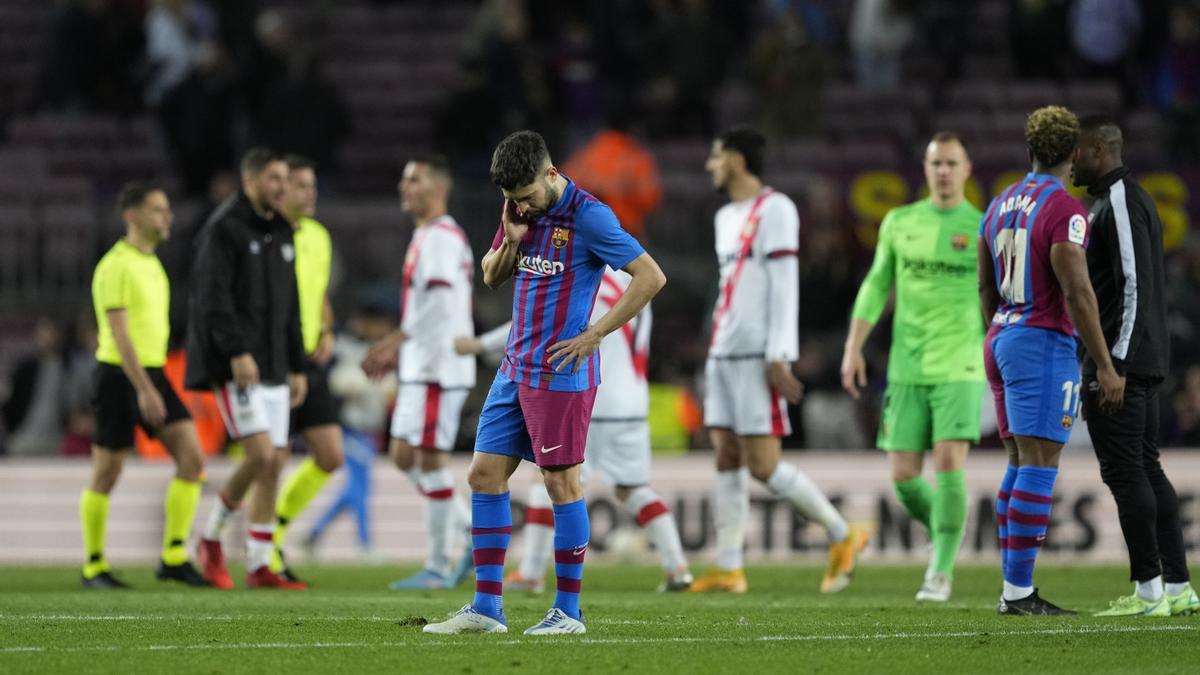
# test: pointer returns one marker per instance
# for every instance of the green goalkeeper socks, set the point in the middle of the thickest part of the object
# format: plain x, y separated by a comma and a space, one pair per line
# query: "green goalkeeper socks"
917, 498
949, 519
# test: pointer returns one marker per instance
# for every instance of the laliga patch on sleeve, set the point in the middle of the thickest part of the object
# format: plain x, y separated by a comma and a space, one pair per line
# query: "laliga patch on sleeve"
1077, 229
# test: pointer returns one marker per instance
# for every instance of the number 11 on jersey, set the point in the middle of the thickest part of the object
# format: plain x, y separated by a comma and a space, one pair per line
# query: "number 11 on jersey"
1011, 246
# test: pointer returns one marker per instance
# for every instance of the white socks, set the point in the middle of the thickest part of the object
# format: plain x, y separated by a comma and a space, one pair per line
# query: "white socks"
1176, 589
439, 517
1012, 592
259, 545
652, 515
217, 519
538, 533
732, 506
1150, 591
796, 487
414, 475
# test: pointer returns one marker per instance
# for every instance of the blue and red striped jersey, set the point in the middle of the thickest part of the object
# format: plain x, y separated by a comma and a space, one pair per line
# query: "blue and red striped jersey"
1020, 227
559, 266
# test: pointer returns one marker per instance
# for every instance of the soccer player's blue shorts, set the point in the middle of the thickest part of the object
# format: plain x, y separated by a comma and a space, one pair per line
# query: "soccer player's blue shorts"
1041, 381
546, 427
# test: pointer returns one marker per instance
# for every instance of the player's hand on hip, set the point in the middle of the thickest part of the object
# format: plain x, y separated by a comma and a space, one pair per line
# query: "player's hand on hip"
468, 346
782, 380
576, 349
151, 406
245, 370
1112, 389
854, 373
516, 225
297, 389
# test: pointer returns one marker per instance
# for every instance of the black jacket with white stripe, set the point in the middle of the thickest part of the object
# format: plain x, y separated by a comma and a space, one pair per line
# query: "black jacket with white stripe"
1125, 263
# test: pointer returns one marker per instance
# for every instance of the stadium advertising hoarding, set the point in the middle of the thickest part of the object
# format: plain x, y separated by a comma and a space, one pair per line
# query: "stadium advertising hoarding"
870, 194
40, 524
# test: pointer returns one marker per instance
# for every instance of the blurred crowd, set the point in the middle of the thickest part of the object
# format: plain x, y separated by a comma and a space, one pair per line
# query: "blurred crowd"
212, 72
606, 82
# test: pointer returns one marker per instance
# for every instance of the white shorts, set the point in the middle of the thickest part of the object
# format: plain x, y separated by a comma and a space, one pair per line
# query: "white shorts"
738, 397
619, 450
427, 416
256, 409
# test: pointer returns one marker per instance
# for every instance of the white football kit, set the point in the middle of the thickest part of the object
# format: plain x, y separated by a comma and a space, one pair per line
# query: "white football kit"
755, 320
435, 308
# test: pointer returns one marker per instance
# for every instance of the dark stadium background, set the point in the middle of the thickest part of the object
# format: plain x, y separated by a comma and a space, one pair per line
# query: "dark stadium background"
96, 92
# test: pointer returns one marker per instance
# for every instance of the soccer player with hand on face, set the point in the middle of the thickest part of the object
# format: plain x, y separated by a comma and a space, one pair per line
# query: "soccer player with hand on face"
554, 241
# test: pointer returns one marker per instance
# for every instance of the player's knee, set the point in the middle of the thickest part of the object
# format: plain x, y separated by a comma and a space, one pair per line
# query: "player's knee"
562, 488
189, 464
258, 455
401, 454
903, 473
761, 468
105, 479
484, 479
329, 461
432, 459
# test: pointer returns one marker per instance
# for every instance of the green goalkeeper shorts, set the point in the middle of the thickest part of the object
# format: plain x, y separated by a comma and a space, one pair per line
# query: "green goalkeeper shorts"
915, 416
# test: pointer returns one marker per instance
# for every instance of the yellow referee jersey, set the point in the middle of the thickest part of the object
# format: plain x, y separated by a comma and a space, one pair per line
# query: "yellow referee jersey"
136, 282
314, 260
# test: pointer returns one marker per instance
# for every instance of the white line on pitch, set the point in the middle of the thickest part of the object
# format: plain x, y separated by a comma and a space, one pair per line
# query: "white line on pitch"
1097, 630
247, 617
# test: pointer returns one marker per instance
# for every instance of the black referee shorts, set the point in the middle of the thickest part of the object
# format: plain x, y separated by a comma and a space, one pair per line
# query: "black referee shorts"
319, 408
114, 401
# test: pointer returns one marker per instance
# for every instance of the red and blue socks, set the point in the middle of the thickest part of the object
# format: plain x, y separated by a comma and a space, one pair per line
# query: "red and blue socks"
1006, 486
1028, 516
492, 519
571, 534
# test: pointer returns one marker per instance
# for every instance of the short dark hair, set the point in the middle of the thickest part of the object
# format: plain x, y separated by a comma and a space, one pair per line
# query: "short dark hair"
519, 159
295, 161
437, 163
1104, 129
133, 194
1097, 121
257, 158
948, 137
747, 141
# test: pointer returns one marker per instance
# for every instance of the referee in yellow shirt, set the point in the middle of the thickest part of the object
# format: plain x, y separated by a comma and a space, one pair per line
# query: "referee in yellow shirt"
317, 418
131, 297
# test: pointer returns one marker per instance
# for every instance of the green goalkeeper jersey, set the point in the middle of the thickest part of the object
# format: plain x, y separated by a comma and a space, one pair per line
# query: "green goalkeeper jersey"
929, 254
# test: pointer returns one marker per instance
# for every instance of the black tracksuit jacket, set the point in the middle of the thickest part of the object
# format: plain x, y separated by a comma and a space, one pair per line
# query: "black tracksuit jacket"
243, 297
1125, 263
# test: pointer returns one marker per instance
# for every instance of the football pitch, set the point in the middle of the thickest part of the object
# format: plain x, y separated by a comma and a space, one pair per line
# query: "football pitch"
350, 623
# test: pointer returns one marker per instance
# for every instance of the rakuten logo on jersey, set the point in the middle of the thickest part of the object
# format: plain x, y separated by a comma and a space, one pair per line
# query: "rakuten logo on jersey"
539, 265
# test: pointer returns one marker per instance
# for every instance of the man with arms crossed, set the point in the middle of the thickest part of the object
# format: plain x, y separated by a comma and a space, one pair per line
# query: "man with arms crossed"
244, 343
131, 296
554, 241
935, 369
748, 376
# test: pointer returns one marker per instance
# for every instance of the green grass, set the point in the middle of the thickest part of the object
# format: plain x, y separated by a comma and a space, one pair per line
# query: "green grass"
351, 623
